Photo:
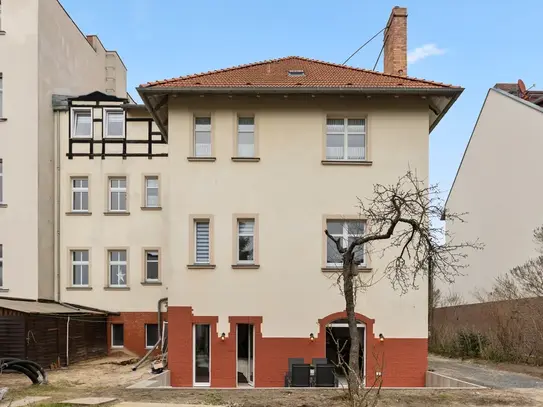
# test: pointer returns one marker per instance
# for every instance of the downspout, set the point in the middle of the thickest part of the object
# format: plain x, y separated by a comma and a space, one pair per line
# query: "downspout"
68, 342
57, 206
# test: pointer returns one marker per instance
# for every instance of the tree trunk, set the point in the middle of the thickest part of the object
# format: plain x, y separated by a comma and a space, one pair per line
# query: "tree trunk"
348, 289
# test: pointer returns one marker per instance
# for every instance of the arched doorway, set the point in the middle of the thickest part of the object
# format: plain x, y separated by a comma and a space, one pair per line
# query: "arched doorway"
338, 345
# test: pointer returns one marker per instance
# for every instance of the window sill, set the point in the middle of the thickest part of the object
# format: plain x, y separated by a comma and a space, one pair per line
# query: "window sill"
204, 159
151, 283
4, 290
246, 159
75, 288
109, 288
112, 213
339, 269
3, 205
2, 32
78, 213
200, 266
3, 119
151, 208
117, 347
346, 162
245, 266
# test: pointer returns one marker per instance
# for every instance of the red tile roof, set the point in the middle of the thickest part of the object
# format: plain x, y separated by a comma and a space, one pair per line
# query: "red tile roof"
274, 74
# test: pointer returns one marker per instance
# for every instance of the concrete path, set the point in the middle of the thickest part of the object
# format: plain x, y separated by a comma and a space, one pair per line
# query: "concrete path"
482, 375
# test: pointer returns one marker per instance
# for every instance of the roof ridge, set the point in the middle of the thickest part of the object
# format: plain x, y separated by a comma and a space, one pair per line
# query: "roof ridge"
267, 61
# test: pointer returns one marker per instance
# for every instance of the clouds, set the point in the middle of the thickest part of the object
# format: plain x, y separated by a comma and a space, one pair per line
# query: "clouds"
427, 50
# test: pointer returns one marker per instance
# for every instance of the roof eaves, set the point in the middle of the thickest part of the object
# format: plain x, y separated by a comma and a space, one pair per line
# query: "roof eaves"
519, 100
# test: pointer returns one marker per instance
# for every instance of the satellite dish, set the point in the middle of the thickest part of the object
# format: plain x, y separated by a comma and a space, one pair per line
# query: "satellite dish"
521, 88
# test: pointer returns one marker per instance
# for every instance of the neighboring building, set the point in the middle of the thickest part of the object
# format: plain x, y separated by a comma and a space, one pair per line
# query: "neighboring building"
262, 158
42, 52
497, 184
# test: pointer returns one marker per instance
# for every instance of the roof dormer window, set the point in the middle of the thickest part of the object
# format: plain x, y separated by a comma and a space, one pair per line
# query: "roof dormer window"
296, 72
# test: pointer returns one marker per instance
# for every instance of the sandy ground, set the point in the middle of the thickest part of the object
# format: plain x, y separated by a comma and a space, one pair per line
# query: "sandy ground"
107, 378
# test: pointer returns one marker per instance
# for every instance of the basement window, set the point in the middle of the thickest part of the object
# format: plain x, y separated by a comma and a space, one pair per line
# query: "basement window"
151, 335
117, 335
296, 72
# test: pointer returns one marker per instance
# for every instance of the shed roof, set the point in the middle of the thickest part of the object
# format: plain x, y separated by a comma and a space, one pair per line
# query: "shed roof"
36, 307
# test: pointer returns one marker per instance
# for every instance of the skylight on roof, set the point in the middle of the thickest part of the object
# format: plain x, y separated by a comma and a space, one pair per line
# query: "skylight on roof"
296, 72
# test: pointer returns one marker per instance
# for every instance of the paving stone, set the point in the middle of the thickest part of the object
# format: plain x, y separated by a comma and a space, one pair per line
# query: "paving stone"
25, 401
133, 404
90, 401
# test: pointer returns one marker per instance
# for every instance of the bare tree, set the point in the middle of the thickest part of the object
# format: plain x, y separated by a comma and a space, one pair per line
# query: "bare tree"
399, 216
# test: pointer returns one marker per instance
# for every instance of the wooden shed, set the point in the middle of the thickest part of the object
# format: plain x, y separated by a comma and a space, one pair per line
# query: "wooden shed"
51, 334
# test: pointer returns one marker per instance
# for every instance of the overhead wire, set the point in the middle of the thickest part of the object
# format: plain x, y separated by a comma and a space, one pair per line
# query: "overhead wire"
363, 45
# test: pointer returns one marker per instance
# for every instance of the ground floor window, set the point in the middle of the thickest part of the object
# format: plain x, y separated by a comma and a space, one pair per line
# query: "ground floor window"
202, 355
117, 335
151, 335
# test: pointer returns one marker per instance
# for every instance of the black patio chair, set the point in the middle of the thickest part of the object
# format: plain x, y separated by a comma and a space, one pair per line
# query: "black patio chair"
325, 376
288, 374
301, 375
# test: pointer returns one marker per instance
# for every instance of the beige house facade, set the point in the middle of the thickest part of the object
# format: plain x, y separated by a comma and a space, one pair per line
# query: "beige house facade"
42, 53
499, 175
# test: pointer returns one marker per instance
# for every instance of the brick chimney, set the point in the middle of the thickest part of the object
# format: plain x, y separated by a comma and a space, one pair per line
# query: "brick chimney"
396, 42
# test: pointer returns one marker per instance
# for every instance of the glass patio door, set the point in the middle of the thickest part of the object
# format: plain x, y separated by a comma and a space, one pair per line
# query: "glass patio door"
202, 355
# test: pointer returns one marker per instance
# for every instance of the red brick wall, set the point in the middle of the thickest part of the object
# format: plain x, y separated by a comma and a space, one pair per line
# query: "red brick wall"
134, 329
404, 363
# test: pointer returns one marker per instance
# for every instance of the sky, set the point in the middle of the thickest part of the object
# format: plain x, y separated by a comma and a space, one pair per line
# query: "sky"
471, 43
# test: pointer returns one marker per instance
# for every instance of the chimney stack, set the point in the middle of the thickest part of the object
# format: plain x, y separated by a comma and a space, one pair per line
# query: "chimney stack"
396, 42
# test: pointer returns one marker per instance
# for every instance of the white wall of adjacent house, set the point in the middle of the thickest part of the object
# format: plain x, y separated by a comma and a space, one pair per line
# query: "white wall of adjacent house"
41, 53
290, 191
134, 223
498, 185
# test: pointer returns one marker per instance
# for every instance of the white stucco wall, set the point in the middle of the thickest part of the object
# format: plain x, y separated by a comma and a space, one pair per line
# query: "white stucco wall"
290, 190
498, 185
98, 232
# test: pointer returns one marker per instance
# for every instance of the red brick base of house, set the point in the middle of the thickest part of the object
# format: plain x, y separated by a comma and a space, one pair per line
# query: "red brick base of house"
134, 329
401, 361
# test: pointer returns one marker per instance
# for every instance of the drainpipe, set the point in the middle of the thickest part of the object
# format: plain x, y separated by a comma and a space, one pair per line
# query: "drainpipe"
68, 342
57, 207
160, 302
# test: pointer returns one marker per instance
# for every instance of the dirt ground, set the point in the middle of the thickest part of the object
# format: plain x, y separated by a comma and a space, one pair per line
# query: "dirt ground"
107, 378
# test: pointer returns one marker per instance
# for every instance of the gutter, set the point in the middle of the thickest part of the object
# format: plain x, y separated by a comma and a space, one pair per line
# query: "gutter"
56, 255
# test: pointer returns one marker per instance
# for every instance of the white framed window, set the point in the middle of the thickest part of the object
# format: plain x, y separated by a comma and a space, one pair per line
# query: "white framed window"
345, 139
81, 122
1, 181
151, 335
246, 240
80, 268
347, 231
202, 241
246, 137
117, 335
1, 84
80, 194
151, 191
114, 123
117, 194
1, 265
202, 136
117, 268
151, 265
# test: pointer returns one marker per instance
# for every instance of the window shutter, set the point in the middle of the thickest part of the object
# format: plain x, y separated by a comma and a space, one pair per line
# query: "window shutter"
202, 242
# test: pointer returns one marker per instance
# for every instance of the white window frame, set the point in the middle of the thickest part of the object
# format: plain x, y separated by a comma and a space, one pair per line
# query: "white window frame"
147, 188
158, 334
112, 337
106, 113
196, 221
345, 239
117, 263
1, 265
1, 181
203, 128
194, 383
147, 261
81, 263
346, 134
73, 115
1, 81
80, 190
119, 190
245, 129
239, 234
